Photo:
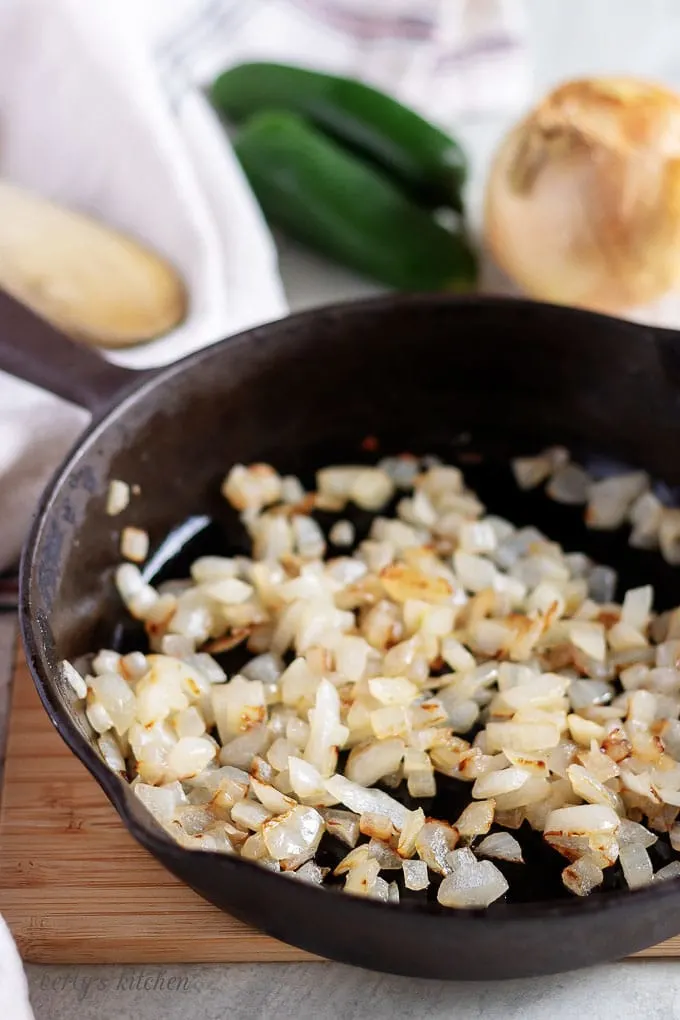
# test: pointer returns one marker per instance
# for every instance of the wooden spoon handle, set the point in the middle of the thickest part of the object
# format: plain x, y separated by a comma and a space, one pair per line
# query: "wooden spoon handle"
91, 282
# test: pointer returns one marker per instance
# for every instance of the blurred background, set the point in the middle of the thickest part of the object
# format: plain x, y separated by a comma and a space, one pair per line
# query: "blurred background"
564, 39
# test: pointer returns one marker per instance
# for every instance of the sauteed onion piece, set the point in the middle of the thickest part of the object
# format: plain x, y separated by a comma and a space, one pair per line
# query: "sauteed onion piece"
448, 645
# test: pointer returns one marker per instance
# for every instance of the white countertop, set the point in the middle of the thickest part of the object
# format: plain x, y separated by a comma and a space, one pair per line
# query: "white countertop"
569, 37
328, 991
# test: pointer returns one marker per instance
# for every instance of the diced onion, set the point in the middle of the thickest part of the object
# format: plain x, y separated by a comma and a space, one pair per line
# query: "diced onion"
636, 865
118, 497
472, 884
415, 875
449, 643
134, 544
502, 846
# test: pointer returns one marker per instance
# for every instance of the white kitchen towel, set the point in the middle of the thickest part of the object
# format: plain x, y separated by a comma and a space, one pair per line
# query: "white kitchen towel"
14, 1004
102, 108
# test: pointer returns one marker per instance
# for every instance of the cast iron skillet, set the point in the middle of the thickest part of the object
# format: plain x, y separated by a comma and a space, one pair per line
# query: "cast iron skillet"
417, 372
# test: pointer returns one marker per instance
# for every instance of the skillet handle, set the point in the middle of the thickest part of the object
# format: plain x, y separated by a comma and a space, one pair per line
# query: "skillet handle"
33, 350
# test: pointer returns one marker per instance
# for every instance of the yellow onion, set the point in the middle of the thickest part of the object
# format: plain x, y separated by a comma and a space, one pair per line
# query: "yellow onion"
583, 200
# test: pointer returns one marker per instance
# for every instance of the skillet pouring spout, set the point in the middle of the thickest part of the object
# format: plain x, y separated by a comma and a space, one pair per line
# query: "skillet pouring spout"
418, 372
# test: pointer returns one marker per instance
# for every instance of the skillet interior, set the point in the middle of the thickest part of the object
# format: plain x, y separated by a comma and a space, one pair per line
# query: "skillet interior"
421, 374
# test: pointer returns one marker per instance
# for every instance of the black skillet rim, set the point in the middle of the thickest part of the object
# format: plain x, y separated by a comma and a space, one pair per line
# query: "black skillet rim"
113, 787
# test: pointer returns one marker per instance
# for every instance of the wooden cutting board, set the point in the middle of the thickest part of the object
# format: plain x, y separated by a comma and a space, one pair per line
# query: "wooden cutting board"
76, 888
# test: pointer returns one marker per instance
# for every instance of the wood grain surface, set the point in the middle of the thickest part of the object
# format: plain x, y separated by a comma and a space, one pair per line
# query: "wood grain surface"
76, 888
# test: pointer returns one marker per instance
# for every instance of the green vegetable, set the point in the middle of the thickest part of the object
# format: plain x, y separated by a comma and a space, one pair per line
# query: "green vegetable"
425, 161
326, 197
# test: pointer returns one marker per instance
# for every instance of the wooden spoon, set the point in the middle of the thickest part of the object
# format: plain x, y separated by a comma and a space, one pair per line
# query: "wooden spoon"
89, 281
